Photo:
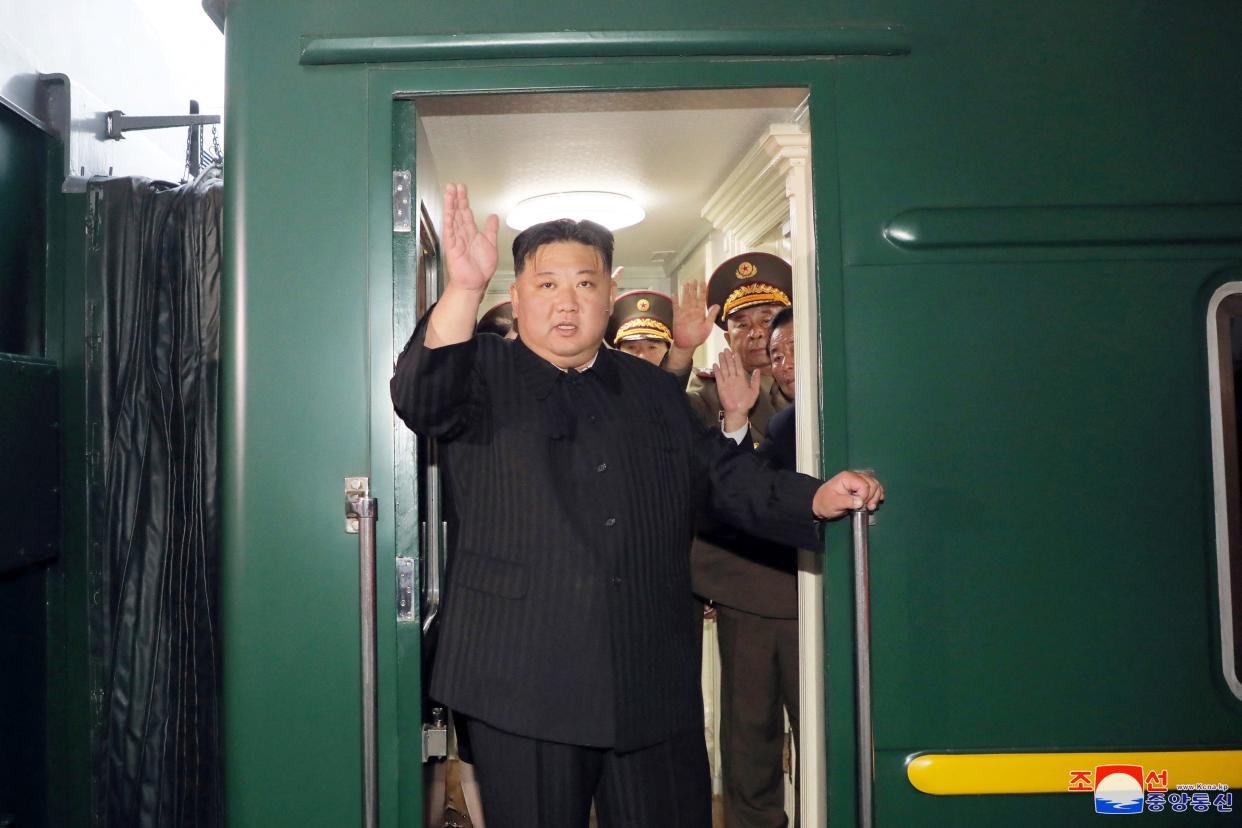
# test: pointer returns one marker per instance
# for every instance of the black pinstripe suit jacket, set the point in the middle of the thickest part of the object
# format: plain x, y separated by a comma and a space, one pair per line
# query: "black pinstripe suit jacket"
575, 498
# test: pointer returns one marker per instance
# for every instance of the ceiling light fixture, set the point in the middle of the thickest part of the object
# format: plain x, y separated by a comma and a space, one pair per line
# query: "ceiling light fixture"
612, 210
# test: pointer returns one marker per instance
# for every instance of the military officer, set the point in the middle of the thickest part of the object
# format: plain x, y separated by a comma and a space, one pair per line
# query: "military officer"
642, 324
751, 582
750, 289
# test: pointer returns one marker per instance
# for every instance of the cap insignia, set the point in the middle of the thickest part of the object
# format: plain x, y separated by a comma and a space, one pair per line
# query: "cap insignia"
643, 305
642, 327
745, 270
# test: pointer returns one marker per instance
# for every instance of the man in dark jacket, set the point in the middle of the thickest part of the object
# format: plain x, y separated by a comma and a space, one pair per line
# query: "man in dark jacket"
576, 473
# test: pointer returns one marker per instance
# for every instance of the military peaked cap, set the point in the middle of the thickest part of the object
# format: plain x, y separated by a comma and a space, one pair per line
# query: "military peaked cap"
641, 314
748, 280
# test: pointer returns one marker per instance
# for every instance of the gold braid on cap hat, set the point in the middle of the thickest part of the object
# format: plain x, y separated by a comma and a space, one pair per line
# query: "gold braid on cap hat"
643, 327
756, 293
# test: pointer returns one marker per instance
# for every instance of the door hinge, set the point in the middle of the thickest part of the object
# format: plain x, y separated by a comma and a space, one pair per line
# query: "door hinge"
402, 216
405, 588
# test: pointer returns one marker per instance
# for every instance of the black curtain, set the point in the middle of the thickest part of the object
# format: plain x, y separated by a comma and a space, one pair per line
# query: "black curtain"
153, 294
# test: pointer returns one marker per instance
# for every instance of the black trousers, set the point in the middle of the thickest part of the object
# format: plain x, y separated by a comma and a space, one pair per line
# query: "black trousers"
531, 783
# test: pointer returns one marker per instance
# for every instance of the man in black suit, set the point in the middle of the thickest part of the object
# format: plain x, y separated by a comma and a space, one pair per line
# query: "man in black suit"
576, 473
779, 447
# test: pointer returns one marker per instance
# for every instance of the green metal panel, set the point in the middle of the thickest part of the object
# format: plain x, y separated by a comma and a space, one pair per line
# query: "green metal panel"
287, 25
802, 42
1039, 584
295, 420
23, 150
71, 715
1025, 371
23, 708
1039, 105
30, 464
29, 454
393, 315
46, 693
29, 458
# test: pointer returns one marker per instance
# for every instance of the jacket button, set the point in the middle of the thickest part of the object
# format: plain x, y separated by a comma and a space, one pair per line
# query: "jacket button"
610, 522
616, 581
602, 467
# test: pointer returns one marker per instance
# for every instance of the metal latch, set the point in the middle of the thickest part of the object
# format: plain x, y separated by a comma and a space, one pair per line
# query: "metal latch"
402, 216
405, 589
357, 489
435, 736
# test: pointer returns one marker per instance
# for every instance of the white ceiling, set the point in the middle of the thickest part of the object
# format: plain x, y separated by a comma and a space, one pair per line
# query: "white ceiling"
669, 150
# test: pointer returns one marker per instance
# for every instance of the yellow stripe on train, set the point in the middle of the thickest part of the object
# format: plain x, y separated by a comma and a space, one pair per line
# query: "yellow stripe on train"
945, 774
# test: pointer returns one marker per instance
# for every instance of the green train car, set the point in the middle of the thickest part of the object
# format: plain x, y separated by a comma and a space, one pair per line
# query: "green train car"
1016, 232
1025, 217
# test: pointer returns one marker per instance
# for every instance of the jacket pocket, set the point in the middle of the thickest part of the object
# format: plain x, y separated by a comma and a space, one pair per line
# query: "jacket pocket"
493, 576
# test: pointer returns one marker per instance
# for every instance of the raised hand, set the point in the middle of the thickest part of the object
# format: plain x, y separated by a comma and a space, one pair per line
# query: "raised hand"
692, 319
692, 324
469, 253
470, 259
846, 491
738, 390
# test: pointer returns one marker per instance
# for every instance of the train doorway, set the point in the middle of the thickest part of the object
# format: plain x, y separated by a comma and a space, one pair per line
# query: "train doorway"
719, 172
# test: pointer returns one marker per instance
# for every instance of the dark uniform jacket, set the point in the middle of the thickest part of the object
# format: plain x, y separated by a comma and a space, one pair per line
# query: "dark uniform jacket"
575, 498
728, 566
779, 448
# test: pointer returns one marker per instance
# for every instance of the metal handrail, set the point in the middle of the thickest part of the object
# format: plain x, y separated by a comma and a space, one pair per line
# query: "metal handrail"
435, 537
367, 511
861, 518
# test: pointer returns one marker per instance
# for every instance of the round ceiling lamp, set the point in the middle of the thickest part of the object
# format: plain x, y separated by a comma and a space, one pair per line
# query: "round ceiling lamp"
612, 210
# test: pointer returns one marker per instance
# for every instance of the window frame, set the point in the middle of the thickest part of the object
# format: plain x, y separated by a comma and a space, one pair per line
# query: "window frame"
1225, 304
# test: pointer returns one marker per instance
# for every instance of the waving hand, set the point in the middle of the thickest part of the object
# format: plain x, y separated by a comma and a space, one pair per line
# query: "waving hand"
692, 324
469, 253
470, 258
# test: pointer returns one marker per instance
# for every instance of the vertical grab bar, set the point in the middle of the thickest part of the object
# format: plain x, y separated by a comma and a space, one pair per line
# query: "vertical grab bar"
361, 512
862, 662
366, 570
434, 540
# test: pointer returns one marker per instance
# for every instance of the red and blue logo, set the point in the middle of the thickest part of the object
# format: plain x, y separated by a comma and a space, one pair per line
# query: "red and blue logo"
1126, 789
1119, 789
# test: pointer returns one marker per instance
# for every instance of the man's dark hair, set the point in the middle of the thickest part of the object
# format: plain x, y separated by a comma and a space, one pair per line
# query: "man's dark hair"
562, 230
783, 317
499, 326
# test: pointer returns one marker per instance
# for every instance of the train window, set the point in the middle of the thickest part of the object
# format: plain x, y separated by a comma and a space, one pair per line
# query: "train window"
1224, 324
